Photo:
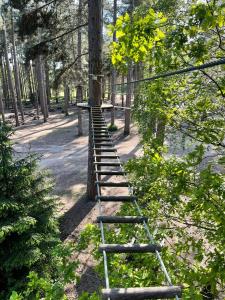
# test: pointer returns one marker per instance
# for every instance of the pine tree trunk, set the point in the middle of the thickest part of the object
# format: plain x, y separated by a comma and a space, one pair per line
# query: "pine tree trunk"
128, 101
95, 37
41, 87
16, 73
79, 50
4, 83
66, 98
2, 108
10, 80
48, 90
34, 88
113, 87
122, 90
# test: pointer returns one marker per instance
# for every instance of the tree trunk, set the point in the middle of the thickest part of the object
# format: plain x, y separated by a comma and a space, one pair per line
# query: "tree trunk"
80, 129
16, 68
4, 83
95, 51
122, 90
79, 50
128, 101
2, 108
41, 87
66, 98
48, 90
113, 82
10, 81
35, 88
95, 37
109, 86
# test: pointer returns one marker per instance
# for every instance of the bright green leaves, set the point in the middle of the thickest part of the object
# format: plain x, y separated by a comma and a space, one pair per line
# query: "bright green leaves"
136, 36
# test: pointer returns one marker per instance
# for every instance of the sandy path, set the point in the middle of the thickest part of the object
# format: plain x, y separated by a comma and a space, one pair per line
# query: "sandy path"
65, 155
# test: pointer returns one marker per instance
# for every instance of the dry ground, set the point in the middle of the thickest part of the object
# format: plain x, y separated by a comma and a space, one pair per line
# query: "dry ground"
65, 155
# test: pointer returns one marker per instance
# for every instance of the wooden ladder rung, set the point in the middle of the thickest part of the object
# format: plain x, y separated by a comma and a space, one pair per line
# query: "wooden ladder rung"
104, 149
144, 293
116, 198
111, 172
127, 248
112, 184
106, 156
121, 219
113, 164
103, 144
102, 140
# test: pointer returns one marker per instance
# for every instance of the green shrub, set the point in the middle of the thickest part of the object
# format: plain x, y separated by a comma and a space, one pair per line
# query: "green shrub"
29, 233
112, 128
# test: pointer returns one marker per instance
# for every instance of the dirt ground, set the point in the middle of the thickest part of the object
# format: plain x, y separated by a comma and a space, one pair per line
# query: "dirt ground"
65, 155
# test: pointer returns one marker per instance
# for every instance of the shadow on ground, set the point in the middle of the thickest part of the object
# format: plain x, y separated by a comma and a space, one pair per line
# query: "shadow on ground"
74, 216
89, 282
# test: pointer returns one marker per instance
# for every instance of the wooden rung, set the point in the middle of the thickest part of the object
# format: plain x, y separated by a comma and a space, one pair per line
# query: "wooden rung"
102, 140
116, 198
104, 149
127, 248
103, 144
144, 293
116, 173
96, 126
121, 219
112, 184
107, 163
99, 135
106, 156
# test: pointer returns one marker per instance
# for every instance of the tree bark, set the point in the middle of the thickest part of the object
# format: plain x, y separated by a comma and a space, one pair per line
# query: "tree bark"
95, 37
10, 81
113, 87
122, 90
79, 50
95, 51
48, 90
66, 98
41, 87
4, 83
2, 108
16, 69
128, 101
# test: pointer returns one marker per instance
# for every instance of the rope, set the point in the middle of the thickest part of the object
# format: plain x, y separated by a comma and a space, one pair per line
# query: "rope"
182, 71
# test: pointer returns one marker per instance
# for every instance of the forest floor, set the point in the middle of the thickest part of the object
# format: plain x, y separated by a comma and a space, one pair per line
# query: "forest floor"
65, 155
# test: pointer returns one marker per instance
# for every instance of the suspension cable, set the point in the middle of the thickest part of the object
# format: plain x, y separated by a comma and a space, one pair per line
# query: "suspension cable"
182, 71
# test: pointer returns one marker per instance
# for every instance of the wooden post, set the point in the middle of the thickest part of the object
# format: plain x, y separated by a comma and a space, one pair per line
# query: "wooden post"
95, 76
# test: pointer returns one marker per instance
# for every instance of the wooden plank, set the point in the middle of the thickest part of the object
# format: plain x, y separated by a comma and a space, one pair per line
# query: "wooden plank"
121, 219
116, 173
116, 198
127, 248
105, 149
159, 292
112, 184
107, 163
106, 156
103, 144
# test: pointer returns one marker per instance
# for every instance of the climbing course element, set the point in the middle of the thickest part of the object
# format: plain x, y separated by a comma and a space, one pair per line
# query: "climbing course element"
102, 146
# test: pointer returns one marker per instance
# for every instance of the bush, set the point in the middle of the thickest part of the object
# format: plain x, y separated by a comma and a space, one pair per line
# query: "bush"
112, 128
28, 225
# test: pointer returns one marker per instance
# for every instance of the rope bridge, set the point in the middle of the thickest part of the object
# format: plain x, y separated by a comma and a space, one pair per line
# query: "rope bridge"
105, 155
